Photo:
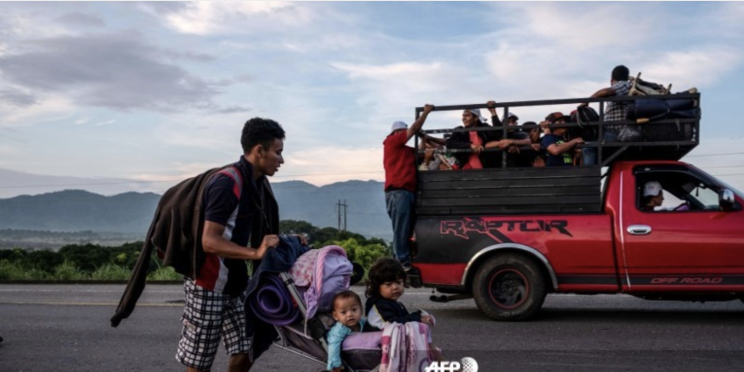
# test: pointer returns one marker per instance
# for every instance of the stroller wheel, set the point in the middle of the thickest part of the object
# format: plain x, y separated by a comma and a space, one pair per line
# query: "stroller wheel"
317, 330
358, 273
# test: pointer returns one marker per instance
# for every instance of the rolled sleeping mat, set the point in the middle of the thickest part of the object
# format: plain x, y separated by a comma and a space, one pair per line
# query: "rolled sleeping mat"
685, 114
272, 302
647, 108
679, 104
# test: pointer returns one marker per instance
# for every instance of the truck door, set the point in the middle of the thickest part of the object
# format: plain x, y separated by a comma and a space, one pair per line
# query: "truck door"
681, 238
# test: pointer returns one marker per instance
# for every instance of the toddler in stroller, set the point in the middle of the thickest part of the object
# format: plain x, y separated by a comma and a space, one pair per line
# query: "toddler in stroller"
347, 311
309, 288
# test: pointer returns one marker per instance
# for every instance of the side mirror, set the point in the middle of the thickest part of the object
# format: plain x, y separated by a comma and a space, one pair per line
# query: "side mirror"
726, 199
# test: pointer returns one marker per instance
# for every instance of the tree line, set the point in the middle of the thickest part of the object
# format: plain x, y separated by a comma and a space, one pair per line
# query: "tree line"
80, 262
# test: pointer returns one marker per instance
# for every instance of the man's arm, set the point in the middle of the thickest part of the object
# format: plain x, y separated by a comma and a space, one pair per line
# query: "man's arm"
416, 126
605, 92
436, 140
556, 149
213, 242
495, 121
503, 144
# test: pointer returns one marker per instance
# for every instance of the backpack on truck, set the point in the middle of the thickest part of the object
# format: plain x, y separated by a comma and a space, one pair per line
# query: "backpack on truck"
584, 117
646, 88
650, 111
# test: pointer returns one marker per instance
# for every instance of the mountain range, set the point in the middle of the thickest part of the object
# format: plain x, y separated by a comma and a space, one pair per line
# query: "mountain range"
132, 212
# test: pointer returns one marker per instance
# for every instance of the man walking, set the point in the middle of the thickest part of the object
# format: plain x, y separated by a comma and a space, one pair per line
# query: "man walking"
400, 184
239, 214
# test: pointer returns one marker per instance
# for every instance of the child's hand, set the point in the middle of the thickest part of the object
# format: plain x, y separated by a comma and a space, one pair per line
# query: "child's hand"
426, 319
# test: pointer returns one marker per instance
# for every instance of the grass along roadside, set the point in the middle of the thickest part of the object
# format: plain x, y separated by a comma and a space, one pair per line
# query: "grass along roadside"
67, 272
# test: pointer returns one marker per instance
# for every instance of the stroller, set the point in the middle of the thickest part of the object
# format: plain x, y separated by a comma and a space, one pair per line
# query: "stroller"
360, 352
282, 304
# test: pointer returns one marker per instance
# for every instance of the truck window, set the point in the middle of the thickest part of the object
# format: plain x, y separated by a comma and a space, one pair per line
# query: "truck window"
680, 192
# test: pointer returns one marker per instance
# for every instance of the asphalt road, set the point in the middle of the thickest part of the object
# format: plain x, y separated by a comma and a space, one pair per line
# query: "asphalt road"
66, 328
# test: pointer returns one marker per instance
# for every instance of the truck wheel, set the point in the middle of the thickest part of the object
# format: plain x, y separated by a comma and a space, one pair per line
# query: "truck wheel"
509, 287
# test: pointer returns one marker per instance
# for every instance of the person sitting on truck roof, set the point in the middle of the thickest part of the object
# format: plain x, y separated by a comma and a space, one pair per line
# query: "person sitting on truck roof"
653, 196
560, 152
475, 140
616, 110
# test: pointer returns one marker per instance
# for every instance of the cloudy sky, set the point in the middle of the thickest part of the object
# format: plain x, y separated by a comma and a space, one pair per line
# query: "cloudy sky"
155, 92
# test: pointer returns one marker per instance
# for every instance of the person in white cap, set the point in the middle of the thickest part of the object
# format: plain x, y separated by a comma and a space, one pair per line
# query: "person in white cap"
652, 196
399, 161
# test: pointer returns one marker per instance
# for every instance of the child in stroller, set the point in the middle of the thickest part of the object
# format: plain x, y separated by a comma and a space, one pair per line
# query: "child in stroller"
308, 288
347, 311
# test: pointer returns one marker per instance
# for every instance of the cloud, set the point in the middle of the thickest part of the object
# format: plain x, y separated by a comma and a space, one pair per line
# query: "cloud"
578, 26
81, 19
394, 88
105, 123
698, 67
52, 109
17, 98
205, 18
115, 71
322, 166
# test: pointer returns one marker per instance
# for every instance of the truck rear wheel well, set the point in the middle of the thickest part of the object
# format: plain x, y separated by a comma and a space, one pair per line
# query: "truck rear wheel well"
547, 274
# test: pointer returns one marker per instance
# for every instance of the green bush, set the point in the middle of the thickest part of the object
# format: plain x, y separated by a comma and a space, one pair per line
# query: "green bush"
165, 273
37, 274
12, 271
111, 272
42, 260
9, 271
86, 257
67, 271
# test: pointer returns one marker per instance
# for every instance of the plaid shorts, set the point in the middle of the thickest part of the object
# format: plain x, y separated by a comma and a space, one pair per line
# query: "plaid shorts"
207, 317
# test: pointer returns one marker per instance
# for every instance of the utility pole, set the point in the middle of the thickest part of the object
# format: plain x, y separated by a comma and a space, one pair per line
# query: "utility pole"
338, 209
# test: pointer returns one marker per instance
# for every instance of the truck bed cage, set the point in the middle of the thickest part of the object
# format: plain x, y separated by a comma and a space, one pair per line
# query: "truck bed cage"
512, 190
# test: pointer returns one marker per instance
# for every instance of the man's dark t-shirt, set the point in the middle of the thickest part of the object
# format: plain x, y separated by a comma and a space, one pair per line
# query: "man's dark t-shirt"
564, 159
222, 206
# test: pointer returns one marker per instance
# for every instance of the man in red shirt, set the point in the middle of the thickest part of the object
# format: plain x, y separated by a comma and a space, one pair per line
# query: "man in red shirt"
400, 183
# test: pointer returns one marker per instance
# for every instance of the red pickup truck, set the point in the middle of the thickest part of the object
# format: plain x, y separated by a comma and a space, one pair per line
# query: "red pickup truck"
508, 237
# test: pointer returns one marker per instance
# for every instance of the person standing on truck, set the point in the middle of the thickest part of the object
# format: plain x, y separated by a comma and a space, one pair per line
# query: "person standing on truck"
399, 162
560, 152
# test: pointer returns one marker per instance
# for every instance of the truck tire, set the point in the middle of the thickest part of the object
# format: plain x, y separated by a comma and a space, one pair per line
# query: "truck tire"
509, 287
